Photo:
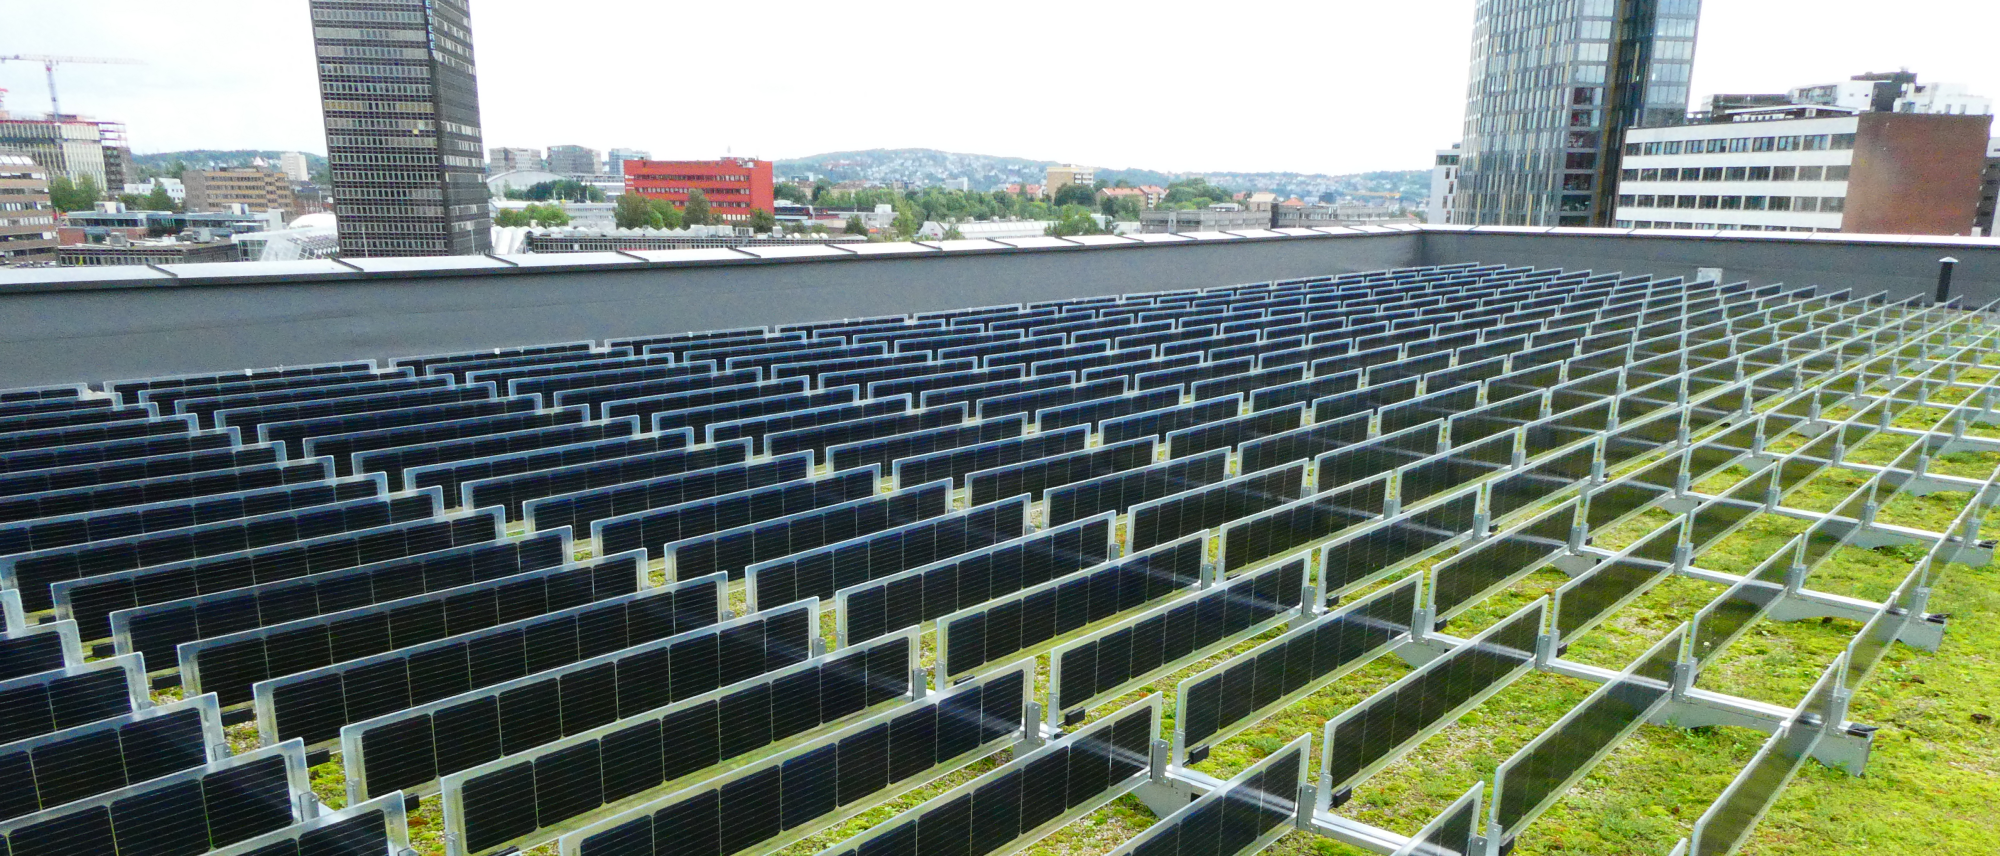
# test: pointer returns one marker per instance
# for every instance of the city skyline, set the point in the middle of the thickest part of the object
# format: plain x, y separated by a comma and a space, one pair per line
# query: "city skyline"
801, 102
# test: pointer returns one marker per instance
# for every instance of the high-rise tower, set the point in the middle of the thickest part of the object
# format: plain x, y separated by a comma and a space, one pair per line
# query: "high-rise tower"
1554, 85
398, 87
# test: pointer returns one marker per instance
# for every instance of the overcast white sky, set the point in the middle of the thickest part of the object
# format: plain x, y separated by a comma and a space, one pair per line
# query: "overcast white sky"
1330, 86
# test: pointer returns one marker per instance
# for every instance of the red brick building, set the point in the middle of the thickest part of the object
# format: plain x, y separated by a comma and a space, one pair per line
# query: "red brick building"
734, 186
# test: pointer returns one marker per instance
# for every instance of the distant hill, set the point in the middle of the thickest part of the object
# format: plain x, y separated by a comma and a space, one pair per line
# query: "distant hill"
925, 167
159, 163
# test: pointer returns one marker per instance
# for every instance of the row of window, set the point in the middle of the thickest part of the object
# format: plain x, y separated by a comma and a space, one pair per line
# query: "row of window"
410, 142
1732, 145
654, 176
1716, 227
1820, 204
1739, 173
367, 15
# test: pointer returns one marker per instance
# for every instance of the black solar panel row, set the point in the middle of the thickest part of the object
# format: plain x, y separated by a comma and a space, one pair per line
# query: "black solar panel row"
129, 390
1119, 492
600, 398
43, 439
130, 469
731, 403
1086, 362
343, 448
909, 598
1243, 816
44, 533
972, 394
884, 452
800, 789
43, 702
206, 408
577, 510
1034, 790
1303, 444
865, 376
424, 363
652, 529
1031, 402
397, 461
1245, 688
1198, 509
251, 417
193, 811
163, 398
1234, 432
87, 760
820, 571
20, 422
1395, 542
511, 481
293, 434
820, 436
1288, 527
1159, 423
501, 376
91, 601
99, 497
1461, 466
734, 550
1008, 624
34, 573
315, 703
39, 648
155, 630
1357, 461
526, 794
230, 664
1097, 666
957, 464
917, 386
85, 457
411, 746
557, 390
1035, 476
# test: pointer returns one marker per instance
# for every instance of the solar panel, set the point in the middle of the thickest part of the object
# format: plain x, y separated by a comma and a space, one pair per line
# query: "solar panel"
83, 761
511, 481
34, 573
819, 430
86, 457
86, 474
423, 364
1482, 422
229, 664
37, 704
250, 418
315, 703
1367, 736
917, 386
19, 422
908, 598
942, 341
523, 798
1220, 701
410, 746
1008, 624
1187, 377
1110, 662
822, 570
1033, 794
43, 438
729, 403
1205, 507
972, 394
577, 509
815, 354
1035, 476
595, 363
130, 390
1233, 432
1245, 815
44, 533
804, 789
644, 342
562, 390
100, 497
1212, 345
90, 601
653, 528
957, 464
155, 630
1092, 360
1119, 492
372, 828
192, 811
343, 447
601, 397
1398, 541
205, 408
1304, 444
395, 462
1096, 411
721, 354
1436, 405
294, 433
163, 398
862, 377
735, 549
1161, 422
1461, 465
1288, 527
883, 452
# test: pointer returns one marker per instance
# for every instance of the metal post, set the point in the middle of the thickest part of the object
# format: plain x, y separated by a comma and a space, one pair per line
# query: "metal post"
1945, 266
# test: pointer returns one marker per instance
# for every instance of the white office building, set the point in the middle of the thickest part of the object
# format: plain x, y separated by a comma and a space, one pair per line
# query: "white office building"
1444, 183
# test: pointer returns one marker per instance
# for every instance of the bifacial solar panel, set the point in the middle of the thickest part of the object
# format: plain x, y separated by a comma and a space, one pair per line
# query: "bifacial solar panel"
1244, 816
972, 395
1095, 360
1031, 795
85, 457
885, 451
1216, 703
590, 769
422, 364
578, 509
804, 789
1132, 371
1367, 736
39, 648
395, 462
371, 828
510, 481
163, 398
1233, 432
1030, 402
343, 447
500, 376
315, 703
599, 398
294, 433
410, 746
192, 811
758, 401
1119, 492
861, 378
734, 550
1035, 476
45, 533
1200, 508
917, 386
1159, 423
129, 390
1288, 527
1460, 466
910, 598
21, 422
45, 438
134, 471
83, 761
1004, 626
652, 529
821, 571
39, 703
229, 664
818, 437
816, 354
155, 630
91, 600
1094, 412
1105, 664
250, 418
206, 408
957, 464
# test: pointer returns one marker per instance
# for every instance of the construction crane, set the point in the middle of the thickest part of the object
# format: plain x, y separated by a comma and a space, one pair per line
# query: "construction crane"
49, 64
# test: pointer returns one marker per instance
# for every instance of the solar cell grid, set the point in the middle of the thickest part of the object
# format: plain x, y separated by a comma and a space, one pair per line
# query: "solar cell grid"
88, 455
818, 572
817, 354
42, 702
700, 409
511, 481
98, 497
1234, 432
1121, 491
552, 389
862, 378
192, 811
411, 747
500, 376
396, 462
133, 469
1134, 370
654, 528
129, 390
1167, 420
600, 398
959, 463
1035, 476
83, 527
883, 452
422, 364
20, 422
1095, 412
1319, 516
293, 433
736, 549
818, 437
1031, 402
164, 398
342, 448
100, 757
1201, 508
578, 509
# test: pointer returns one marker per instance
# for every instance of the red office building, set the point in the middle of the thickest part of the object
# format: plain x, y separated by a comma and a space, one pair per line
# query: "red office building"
733, 186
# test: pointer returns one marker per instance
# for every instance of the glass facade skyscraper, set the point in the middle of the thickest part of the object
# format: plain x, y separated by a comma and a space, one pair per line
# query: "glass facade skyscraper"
1554, 85
400, 93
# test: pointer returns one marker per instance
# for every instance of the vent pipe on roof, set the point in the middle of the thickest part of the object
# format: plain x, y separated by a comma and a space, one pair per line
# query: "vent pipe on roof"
1945, 266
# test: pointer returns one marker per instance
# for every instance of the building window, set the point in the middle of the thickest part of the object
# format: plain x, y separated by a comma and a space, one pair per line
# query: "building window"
1685, 202
1753, 203
1784, 173
1626, 199
1843, 141
1836, 173
1649, 175
1736, 173
1628, 175
1673, 147
1763, 144
1646, 200
1779, 203
1832, 204
1732, 203
1813, 142
1805, 203
1810, 173
1760, 173
1738, 145
1788, 144
1711, 173
1711, 202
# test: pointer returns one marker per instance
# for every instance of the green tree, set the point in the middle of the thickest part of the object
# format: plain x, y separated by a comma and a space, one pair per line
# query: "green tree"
792, 193
1191, 193
1074, 194
665, 215
160, 199
1126, 208
78, 195
632, 212
568, 190
761, 221
855, 226
821, 187
1074, 220
951, 233
696, 212
547, 215
509, 217
132, 201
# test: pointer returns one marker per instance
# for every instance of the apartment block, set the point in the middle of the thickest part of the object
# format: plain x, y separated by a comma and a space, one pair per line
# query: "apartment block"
259, 189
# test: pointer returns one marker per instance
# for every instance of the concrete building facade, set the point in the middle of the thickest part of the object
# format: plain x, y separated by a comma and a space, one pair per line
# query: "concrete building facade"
734, 186
1989, 190
573, 160
1444, 185
27, 220
295, 166
74, 148
1060, 176
1221, 217
259, 189
399, 90
1554, 85
614, 160
1873, 173
500, 159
